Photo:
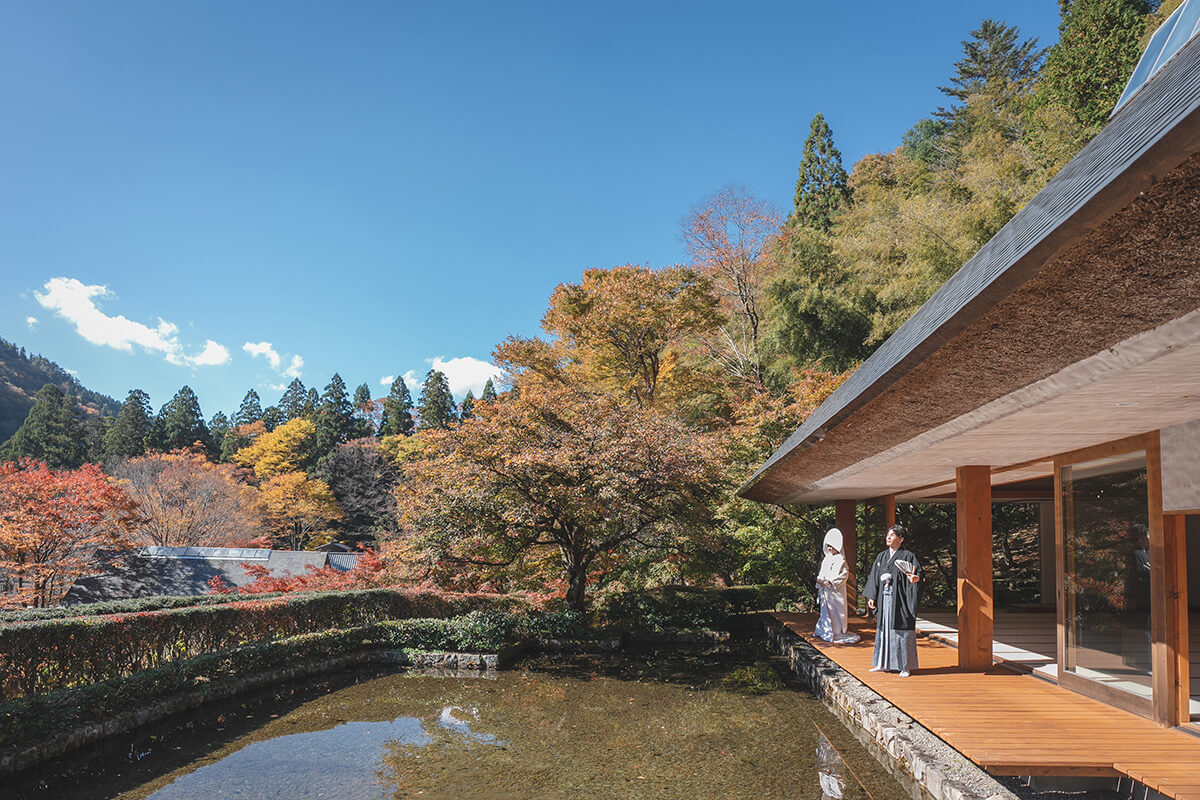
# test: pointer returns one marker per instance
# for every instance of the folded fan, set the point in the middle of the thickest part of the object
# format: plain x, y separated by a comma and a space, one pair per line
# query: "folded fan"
905, 567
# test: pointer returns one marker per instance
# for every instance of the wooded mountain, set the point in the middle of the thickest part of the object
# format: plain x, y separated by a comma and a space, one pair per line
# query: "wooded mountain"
21, 375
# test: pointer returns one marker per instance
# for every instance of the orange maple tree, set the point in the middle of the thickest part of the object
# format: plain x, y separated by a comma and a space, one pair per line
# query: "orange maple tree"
557, 470
51, 524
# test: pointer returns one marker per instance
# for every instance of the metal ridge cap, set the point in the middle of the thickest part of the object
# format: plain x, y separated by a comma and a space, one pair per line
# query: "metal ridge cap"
1129, 136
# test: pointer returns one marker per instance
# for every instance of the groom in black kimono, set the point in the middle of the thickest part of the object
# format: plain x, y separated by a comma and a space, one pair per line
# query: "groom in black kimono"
893, 592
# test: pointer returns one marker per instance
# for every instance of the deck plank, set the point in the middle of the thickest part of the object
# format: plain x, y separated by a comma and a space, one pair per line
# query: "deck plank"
1011, 721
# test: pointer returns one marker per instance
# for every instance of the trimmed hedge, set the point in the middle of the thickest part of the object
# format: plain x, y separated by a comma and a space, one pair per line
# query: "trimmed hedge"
37, 657
687, 607
129, 606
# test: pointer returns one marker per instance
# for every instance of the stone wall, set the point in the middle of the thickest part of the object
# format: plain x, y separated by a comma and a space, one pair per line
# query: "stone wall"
927, 766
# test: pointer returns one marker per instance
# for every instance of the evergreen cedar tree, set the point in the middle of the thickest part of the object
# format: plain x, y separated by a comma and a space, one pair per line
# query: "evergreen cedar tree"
467, 409
127, 436
489, 392
180, 425
250, 410
397, 411
436, 410
292, 403
51, 523
52, 432
335, 416
364, 412
822, 188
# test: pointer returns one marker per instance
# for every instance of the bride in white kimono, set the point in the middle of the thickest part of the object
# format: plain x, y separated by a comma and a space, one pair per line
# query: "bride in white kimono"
831, 590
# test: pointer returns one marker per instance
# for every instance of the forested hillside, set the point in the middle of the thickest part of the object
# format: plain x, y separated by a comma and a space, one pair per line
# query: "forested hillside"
608, 457
22, 375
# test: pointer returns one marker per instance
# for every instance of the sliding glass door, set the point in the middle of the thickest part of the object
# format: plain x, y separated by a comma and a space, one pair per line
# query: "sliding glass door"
1106, 622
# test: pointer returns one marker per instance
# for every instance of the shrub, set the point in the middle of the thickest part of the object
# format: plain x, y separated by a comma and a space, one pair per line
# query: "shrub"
688, 607
38, 656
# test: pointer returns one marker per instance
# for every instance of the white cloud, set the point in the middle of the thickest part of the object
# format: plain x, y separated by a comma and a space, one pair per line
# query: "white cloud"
463, 373
277, 387
31, 321
75, 302
264, 349
214, 355
387, 380
293, 370
267, 350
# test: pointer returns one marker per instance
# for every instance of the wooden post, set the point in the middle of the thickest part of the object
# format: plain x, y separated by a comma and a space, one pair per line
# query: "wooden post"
889, 511
1049, 556
973, 500
1171, 681
848, 524
1168, 599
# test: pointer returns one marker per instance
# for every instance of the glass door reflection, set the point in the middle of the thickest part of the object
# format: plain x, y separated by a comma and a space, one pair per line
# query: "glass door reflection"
1106, 576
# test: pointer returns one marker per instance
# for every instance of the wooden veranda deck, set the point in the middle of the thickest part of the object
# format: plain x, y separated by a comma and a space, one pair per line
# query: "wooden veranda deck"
1016, 724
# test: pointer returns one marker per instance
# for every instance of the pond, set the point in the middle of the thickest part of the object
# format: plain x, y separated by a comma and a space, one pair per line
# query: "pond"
653, 724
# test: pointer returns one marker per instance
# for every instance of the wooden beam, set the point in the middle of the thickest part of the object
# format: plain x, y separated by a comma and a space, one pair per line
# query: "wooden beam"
975, 613
847, 522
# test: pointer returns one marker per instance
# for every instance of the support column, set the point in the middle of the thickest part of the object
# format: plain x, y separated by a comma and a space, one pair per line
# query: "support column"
1049, 554
1170, 654
973, 493
847, 522
888, 503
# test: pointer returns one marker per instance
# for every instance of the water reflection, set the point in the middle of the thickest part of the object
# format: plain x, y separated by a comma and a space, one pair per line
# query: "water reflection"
643, 727
830, 770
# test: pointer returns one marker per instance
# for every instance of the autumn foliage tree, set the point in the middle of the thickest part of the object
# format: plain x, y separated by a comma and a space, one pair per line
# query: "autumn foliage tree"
300, 511
625, 327
51, 524
291, 447
728, 236
185, 500
559, 469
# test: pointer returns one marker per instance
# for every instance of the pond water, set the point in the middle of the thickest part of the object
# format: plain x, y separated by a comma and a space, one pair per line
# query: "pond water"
645, 725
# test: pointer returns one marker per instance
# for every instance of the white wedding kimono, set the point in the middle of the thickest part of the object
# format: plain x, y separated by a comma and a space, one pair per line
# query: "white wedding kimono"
831, 591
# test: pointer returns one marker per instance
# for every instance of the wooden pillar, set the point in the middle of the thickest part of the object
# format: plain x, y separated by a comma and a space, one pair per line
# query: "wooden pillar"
1169, 652
973, 493
1049, 556
847, 522
889, 511
1170, 648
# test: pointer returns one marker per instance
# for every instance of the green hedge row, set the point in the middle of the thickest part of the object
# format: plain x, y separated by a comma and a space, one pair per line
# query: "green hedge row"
124, 606
688, 607
37, 657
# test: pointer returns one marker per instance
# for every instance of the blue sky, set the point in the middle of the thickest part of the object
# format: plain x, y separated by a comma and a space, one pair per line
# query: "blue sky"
225, 194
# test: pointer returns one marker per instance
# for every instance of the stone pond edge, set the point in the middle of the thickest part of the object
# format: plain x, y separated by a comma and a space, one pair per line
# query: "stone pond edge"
925, 764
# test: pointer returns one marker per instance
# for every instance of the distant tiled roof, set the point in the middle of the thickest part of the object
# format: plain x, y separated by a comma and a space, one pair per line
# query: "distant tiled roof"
187, 571
343, 562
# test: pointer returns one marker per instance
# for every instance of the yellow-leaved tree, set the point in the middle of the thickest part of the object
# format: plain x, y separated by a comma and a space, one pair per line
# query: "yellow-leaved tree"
301, 512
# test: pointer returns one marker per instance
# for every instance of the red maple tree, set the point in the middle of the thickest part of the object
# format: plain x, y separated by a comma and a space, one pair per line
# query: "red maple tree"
51, 524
